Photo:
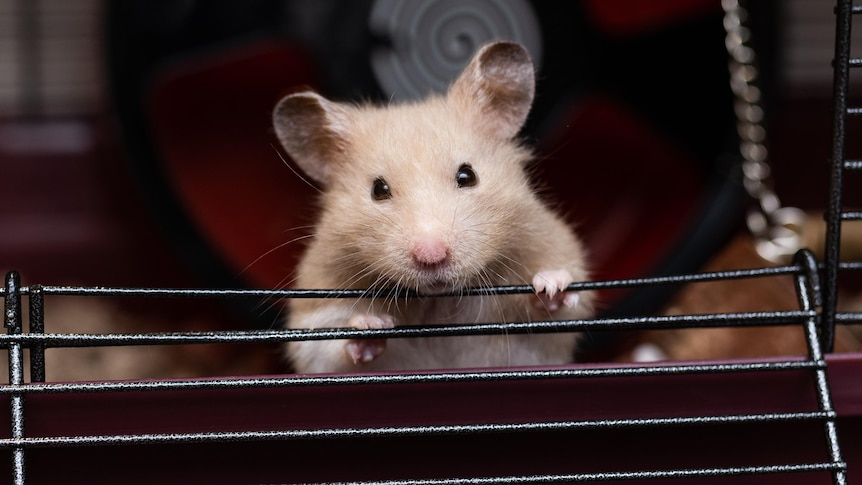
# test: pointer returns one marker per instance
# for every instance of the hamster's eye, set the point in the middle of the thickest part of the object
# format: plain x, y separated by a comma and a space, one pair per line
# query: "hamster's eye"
380, 189
466, 176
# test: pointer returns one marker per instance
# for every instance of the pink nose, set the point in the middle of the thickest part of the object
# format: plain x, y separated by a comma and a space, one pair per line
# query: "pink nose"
430, 251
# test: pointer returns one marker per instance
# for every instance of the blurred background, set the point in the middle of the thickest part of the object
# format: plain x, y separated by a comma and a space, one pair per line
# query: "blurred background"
136, 150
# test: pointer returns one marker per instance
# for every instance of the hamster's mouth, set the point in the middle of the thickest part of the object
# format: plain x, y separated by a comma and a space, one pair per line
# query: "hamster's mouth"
437, 286
434, 281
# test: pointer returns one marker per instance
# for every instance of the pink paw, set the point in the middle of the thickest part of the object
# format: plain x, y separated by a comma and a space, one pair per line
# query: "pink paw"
550, 286
362, 351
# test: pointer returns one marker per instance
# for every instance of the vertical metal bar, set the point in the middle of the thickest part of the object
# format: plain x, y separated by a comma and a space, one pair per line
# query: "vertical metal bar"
807, 284
37, 326
840, 83
12, 319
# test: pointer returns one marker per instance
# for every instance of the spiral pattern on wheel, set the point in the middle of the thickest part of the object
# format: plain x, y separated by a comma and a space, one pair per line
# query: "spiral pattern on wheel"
426, 44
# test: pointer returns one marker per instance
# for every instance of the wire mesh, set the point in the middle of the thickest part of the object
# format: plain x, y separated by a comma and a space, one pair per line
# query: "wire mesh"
805, 272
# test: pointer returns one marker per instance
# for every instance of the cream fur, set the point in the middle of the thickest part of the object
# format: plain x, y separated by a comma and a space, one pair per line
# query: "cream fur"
498, 232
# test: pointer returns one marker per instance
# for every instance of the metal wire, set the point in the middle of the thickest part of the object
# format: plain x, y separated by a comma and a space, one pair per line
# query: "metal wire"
748, 319
414, 378
240, 436
834, 217
804, 273
12, 317
389, 293
605, 477
808, 291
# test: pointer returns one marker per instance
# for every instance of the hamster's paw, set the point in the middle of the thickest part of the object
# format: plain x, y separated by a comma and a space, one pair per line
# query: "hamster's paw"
362, 351
550, 288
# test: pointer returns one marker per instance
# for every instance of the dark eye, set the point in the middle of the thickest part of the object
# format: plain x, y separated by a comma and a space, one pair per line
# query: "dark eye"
466, 177
380, 189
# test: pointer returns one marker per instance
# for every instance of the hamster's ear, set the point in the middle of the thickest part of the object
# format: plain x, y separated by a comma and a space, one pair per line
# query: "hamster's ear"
496, 88
313, 130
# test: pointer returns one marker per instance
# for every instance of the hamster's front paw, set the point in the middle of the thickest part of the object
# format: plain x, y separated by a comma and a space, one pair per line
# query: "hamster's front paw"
362, 351
550, 288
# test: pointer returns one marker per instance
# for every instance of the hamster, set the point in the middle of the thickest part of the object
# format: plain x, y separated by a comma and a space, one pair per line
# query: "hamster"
431, 196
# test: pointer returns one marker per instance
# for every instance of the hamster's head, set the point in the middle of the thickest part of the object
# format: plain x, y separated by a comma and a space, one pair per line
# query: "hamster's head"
430, 196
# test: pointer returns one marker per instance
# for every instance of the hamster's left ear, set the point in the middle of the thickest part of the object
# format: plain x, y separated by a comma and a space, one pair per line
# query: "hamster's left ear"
313, 130
496, 88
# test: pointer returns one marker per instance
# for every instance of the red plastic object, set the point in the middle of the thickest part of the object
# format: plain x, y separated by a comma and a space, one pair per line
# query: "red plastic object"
212, 122
619, 182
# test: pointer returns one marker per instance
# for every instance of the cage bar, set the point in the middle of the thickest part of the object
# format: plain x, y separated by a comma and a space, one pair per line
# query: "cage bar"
12, 314
37, 327
807, 285
808, 291
840, 87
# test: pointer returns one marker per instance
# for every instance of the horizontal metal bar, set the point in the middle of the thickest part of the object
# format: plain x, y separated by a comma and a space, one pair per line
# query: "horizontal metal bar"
854, 111
853, 165
666, 322
254, 336
855, 62
411, 378
850, 265
611, 476
848, 317
382, 293
390, 431
851, 216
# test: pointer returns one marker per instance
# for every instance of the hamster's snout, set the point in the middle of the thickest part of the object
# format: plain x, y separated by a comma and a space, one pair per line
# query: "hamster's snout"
430, 251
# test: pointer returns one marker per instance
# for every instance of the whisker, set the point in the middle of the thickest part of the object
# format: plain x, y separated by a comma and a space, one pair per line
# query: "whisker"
280, 246
290, 167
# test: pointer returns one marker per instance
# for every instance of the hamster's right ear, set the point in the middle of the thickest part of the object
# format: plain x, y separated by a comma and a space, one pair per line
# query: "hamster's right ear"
313, 130
497, 87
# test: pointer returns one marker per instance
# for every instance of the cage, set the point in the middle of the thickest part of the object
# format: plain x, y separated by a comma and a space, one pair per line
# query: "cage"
794, 419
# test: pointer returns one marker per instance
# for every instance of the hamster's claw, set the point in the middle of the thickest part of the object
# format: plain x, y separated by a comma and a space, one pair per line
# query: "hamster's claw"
550, 286
363, 351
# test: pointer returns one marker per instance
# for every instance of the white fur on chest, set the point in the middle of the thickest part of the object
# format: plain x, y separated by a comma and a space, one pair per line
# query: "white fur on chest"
495, 350
501, 349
